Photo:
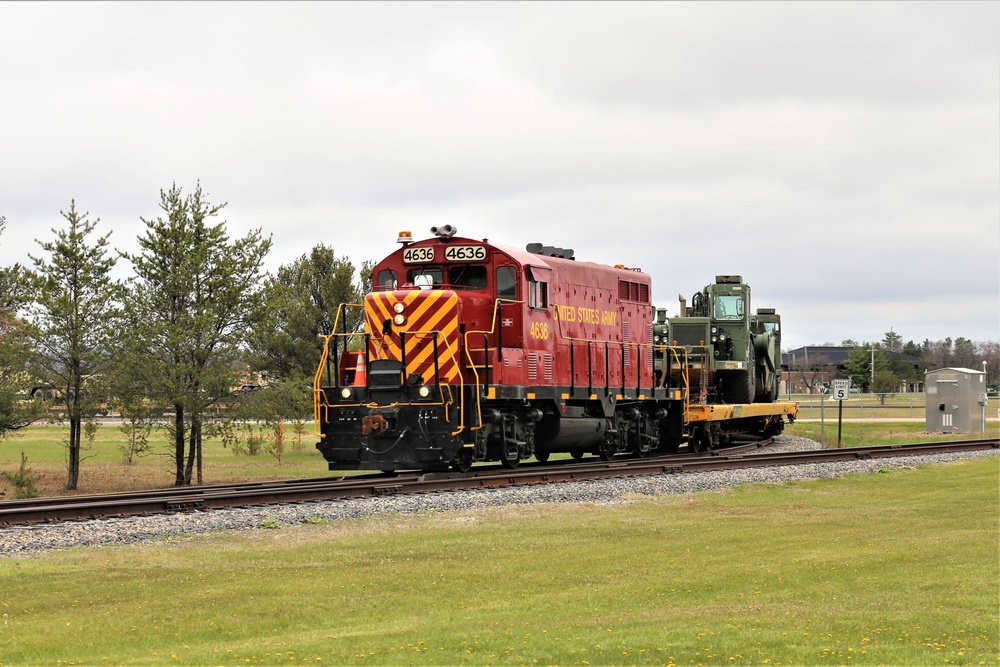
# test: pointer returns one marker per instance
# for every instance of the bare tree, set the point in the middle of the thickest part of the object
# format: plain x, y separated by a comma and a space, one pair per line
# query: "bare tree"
813, 372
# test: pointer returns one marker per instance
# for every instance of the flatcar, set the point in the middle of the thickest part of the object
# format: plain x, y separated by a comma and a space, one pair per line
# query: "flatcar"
473, 351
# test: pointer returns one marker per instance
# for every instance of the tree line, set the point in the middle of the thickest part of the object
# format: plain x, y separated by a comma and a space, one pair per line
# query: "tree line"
198, 313
897, 366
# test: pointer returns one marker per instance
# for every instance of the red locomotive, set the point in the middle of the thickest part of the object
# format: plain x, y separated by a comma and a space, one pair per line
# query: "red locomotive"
473, 351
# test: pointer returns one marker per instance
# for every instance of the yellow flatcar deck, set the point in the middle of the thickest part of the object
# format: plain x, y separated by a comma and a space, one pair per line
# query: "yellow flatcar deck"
703, 413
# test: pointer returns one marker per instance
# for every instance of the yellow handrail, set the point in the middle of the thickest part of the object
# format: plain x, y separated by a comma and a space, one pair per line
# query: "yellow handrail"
468, 354
620, 343
323, 358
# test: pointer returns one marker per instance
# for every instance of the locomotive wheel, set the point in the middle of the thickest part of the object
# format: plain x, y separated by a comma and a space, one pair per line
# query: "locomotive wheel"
509, 463
463, 462
542, 456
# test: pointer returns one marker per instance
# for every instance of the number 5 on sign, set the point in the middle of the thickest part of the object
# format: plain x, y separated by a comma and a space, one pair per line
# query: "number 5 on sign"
841, 390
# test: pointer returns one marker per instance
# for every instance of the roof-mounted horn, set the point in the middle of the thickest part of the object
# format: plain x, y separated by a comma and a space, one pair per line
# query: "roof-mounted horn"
444, 232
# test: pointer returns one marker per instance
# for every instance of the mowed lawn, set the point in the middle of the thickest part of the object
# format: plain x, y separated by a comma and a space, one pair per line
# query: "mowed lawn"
894, 568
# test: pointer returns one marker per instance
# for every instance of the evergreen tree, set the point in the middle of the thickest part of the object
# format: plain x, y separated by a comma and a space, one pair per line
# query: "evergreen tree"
858, 365
892, 342
195, 296
302, 299
885, 385
74, 321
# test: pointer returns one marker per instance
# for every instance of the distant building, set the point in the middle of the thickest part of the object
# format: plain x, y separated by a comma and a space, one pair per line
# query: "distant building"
828, 362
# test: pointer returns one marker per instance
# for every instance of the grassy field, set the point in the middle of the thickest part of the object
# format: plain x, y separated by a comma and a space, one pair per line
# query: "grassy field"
102, 470
897, 568
875, 433
867, 406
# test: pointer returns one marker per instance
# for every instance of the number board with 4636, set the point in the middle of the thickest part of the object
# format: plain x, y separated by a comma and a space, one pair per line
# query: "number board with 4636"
452, 253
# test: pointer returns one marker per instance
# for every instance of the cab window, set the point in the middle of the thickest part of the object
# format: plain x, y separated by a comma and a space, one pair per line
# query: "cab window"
386, 279
538, 293
506, 284
425, 278
472, 277
728, 307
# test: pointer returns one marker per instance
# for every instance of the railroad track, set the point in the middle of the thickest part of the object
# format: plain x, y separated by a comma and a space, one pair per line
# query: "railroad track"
190, 499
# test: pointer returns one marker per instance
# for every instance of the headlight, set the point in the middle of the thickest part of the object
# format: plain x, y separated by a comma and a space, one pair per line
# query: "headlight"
345, 392
398, 307
399, 319
715, 339
656, 339
722, 336
424, 391
715, 329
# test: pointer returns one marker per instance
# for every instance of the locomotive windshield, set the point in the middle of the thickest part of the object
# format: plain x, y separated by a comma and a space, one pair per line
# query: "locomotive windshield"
728, 307
461, 276
471, 277
425, 277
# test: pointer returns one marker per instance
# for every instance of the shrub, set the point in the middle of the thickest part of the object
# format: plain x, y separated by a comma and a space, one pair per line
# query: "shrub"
23, 480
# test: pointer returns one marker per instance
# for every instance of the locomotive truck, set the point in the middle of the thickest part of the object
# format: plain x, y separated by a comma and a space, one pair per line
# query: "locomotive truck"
473, 351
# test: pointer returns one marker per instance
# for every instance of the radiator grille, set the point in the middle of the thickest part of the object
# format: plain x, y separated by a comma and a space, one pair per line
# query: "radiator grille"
688, 334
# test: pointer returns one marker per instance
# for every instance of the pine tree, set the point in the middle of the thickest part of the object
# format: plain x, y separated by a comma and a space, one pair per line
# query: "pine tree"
75, 320
195, 297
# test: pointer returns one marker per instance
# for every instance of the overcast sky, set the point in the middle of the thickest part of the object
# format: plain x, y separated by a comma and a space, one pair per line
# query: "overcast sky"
843, 157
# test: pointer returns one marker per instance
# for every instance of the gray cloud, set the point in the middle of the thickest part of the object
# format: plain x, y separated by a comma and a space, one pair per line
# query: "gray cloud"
843, 157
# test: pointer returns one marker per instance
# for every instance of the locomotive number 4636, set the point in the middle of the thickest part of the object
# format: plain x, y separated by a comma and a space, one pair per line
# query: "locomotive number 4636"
465, 253
419, 254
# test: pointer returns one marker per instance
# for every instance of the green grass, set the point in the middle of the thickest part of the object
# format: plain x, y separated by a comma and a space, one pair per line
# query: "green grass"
872, 434
897, 568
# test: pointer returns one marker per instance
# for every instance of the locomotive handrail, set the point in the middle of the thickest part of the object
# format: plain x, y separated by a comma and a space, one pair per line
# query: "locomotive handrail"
317, 382
620, 343
497, 303
319, 405
324, 359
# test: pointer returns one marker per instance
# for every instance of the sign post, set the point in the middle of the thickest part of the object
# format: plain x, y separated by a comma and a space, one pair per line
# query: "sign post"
841, 392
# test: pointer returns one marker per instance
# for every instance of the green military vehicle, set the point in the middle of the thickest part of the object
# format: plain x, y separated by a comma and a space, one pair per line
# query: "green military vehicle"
733, 356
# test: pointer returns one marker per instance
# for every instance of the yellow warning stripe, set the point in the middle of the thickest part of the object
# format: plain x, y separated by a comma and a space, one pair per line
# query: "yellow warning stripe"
435, 309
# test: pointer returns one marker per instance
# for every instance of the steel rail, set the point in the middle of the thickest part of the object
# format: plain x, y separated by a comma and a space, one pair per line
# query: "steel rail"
162, 501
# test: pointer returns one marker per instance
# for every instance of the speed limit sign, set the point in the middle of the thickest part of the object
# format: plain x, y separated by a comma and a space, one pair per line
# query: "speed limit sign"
841, 390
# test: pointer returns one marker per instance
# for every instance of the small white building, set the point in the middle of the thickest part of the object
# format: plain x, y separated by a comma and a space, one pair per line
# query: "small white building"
956, 400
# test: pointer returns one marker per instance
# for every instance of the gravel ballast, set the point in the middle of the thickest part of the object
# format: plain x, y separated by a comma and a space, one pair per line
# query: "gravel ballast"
31, 540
